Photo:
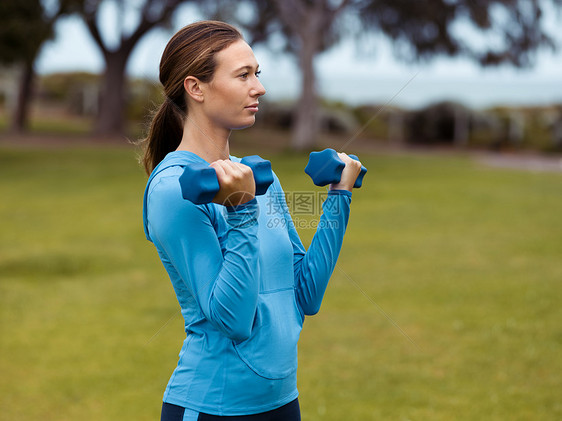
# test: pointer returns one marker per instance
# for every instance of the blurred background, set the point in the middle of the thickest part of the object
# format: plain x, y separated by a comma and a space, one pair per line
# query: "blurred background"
469, 74
445, 301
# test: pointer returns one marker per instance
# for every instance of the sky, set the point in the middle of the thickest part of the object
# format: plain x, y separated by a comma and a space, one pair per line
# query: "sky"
344, 73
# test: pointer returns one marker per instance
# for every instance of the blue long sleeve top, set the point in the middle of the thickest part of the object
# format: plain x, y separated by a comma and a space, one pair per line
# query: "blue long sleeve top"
244, 282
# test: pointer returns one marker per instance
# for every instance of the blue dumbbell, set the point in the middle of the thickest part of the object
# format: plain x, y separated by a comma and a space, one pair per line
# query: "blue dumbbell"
199, 182
325, 167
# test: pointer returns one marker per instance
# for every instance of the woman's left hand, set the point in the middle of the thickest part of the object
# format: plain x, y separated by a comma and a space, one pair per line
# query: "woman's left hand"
349, 174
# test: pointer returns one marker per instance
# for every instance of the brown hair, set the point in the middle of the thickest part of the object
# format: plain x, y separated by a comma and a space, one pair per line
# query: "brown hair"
190, 52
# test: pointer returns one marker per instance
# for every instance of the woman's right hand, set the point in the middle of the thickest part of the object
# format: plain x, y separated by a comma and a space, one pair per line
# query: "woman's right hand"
236, 181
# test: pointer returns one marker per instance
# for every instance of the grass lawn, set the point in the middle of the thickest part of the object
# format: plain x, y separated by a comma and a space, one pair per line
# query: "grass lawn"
445, 304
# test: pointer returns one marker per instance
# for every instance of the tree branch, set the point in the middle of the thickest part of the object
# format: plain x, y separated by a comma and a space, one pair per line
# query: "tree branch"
292, 13
147, 22
94, 31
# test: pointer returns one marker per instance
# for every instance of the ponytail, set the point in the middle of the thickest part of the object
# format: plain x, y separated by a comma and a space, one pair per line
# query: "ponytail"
164, 136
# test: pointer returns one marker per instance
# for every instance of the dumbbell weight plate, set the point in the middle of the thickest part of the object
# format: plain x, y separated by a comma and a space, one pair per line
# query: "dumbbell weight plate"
199, 183
324, 167
263, 176
359, 180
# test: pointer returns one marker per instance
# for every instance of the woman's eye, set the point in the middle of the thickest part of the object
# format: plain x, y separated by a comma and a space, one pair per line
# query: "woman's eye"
245, 75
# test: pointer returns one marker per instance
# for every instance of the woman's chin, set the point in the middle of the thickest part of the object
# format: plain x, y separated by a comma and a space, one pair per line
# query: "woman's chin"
244, 125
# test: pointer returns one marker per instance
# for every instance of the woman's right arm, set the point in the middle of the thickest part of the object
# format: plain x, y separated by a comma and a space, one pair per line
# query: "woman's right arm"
225, 287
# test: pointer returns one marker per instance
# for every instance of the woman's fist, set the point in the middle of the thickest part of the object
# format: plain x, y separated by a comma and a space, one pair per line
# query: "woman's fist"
349, 174
236, 181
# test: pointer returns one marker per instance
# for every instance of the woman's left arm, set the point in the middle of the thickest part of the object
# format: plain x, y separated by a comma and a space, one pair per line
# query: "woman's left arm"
314, 267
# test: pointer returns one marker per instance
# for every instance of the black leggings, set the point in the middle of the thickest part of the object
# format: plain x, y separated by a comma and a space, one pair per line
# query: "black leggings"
288, 412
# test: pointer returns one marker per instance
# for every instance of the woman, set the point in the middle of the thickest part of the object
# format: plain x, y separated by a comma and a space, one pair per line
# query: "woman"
243, 284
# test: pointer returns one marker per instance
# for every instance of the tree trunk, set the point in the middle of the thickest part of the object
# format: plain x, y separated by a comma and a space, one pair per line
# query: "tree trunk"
21, 110
305, 128
306, 121
112, 102
307, 22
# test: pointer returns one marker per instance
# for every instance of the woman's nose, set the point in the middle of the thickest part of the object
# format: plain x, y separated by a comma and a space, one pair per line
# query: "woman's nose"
259, 90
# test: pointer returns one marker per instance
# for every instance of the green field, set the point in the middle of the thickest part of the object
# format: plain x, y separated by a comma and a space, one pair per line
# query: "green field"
445, 304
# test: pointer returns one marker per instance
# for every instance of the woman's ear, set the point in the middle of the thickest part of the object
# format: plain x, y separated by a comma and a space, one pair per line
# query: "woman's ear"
192, 87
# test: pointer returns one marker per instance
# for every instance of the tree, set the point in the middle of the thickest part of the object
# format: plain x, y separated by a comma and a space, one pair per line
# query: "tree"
151, 14
24, 27
420, 30
310, 25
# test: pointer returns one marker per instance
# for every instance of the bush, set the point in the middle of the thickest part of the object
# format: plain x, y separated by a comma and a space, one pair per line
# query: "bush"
436, 123
71, 90
335, 117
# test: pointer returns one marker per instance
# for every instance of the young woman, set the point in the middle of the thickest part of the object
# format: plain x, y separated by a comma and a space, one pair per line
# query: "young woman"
244, 285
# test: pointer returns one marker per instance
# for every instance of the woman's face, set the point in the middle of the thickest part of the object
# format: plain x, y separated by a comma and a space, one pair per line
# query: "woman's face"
231, 97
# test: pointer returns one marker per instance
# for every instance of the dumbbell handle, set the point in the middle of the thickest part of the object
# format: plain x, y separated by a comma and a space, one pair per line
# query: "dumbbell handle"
325, 167
199, 182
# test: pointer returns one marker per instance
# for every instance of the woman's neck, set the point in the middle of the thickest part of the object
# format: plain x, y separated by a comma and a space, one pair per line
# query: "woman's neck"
209, 143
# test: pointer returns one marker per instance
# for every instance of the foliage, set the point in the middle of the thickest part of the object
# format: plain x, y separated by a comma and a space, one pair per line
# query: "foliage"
513, 29
444, 303
144, 95
435, 123
528, 127
374, 120
23, 29
60, 87
67, 90
498, 128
